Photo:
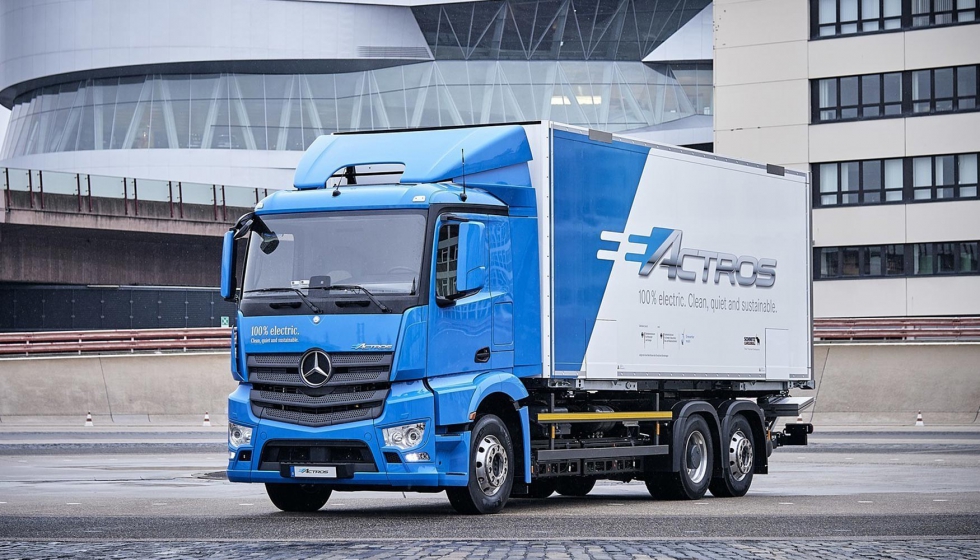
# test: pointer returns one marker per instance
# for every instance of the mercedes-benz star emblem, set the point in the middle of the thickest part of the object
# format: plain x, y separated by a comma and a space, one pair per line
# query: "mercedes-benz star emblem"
315, 368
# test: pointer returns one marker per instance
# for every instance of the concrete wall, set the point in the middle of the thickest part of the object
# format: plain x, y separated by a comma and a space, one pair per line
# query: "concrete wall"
60, 255
859, 384
156, 388
887, 384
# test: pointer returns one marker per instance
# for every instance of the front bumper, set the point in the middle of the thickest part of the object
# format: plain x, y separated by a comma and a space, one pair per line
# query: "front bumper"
408, 402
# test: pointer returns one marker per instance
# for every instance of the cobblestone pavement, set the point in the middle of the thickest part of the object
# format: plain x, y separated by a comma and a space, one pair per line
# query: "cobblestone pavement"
901, 549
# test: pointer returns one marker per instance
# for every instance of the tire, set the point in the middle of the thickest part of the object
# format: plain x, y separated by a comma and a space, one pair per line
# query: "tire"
736, 472
298, 497
662, 487
575, 486
491, 471
696, 465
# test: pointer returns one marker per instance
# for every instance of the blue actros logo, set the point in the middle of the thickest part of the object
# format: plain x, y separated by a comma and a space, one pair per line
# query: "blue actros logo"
664, 248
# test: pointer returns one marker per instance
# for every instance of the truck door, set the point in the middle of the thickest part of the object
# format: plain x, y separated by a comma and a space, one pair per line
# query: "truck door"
460, 331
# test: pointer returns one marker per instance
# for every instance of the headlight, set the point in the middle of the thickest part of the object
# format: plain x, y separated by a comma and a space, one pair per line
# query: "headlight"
405, 437
239, 435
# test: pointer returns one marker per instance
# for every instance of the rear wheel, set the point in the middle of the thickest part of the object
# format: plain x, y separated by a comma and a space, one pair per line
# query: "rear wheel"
575, 486
736, 472
298, 497
697, 460
491, 470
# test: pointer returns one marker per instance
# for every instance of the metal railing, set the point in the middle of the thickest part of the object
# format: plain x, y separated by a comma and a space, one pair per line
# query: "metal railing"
897, 329
140, 340
82, 193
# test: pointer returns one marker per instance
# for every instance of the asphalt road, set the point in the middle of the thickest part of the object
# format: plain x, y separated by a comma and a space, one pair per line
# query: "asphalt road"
108, 494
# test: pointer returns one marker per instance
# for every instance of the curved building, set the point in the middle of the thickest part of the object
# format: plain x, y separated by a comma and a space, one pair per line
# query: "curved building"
232, 92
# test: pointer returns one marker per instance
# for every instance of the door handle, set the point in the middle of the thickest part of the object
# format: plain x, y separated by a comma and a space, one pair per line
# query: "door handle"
482, 355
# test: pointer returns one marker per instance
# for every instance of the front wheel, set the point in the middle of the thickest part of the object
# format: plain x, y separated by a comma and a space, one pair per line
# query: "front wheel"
491, 470
736, 473
298, 497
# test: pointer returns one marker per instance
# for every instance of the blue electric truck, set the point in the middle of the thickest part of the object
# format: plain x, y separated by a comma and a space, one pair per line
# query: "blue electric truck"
513, 311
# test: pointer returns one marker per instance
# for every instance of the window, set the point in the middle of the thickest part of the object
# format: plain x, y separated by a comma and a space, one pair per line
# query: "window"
446, 260
944, 177
829, 265
894, 260
942, 90
872, 96
942, 12
834, 18
854, 97
847, 17
883, 261
860, 262
875, 181
858, 182
967, 258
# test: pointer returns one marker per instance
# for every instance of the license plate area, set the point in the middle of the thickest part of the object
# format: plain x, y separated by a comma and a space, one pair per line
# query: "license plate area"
317, 471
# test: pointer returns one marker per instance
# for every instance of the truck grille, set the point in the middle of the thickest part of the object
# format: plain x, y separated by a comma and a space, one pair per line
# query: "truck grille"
279, 452
356, 390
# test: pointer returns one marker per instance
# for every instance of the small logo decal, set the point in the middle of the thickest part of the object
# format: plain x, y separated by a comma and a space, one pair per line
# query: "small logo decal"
315, 368
363, 346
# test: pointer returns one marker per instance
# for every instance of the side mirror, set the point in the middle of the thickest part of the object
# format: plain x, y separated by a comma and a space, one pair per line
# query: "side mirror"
471, 259
228, 267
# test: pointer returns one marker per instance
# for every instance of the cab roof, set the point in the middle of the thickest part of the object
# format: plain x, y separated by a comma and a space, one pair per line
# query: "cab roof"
360, 197
429, 156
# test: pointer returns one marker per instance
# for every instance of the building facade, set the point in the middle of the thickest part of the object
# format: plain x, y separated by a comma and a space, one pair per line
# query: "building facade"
140, 128
232, 92
879, 100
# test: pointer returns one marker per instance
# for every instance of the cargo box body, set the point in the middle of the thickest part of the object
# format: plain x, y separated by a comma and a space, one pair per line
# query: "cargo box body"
665, 263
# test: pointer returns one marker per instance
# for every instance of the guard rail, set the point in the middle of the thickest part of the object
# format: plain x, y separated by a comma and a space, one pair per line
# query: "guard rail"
136, 340
907, 329
79, 342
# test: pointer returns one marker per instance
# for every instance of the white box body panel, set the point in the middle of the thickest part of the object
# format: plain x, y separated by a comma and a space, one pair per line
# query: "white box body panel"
615, 309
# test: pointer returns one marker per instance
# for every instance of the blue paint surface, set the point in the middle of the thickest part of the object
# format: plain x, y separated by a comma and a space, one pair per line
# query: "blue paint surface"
298, 333
372, 197
429, 156
595, 184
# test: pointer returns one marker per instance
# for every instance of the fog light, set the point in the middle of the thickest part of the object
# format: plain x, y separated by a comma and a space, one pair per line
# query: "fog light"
416, 457
405, 437
231, 455
239, 435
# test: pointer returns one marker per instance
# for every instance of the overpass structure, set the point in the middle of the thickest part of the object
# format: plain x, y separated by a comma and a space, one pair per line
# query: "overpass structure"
85, 251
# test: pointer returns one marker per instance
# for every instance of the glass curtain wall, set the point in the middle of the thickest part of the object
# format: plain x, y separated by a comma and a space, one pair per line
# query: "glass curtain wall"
573, 61
287, 112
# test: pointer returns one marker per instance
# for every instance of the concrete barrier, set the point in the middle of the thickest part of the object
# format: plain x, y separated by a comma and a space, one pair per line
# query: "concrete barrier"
130, 389
856, 384
886, 384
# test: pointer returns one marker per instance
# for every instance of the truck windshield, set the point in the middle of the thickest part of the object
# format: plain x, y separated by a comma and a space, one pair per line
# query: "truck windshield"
378, 252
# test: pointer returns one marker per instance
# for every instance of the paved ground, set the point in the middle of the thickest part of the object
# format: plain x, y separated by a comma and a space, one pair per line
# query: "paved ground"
950, 549
135, 493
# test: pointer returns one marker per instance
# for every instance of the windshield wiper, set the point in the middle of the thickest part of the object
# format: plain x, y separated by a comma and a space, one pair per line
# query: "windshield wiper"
294, 290
355, 287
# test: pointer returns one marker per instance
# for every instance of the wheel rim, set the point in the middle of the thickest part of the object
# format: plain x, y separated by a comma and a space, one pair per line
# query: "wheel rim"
491, 465
697, 455
740, 455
